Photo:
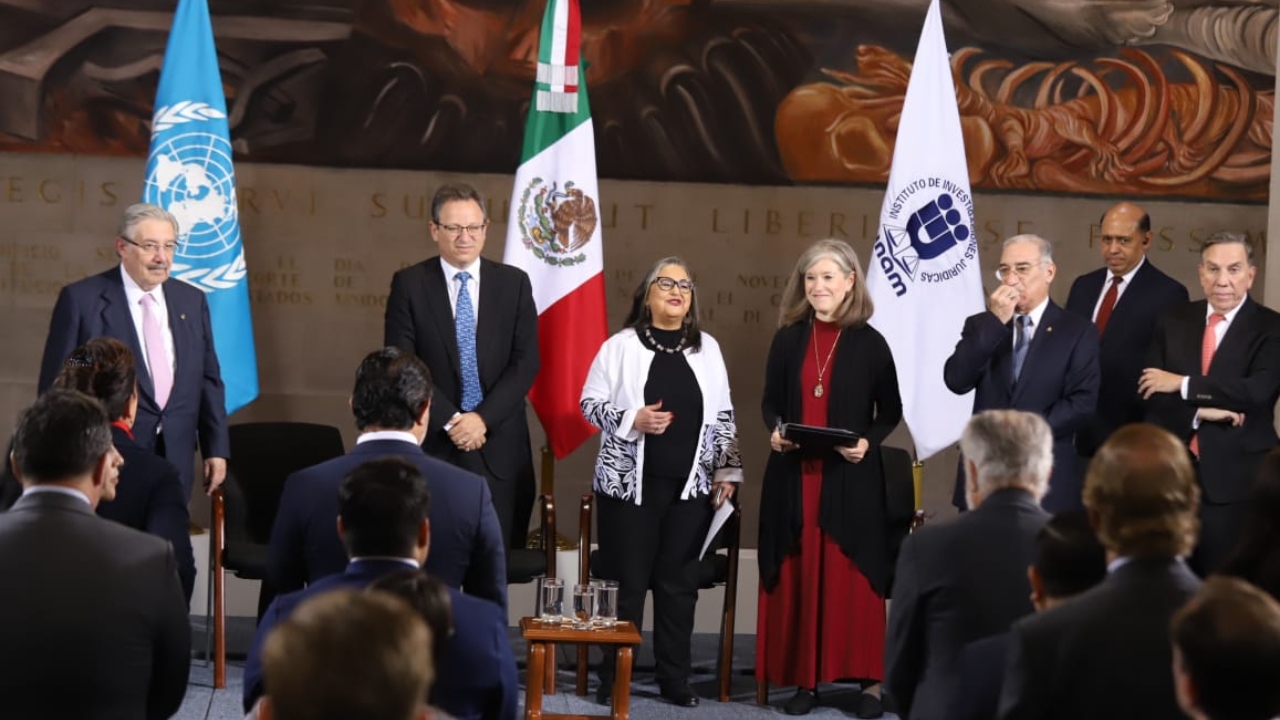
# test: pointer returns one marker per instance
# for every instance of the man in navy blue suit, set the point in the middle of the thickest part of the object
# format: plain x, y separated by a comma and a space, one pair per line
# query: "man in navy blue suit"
165, 323
1026, 353
391, 402
383, 509
1123, 300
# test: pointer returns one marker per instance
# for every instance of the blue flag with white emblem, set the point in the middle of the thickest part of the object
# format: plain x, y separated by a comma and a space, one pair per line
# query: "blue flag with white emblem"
189, 173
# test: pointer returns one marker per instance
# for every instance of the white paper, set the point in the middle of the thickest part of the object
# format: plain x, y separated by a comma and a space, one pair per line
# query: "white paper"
723, 513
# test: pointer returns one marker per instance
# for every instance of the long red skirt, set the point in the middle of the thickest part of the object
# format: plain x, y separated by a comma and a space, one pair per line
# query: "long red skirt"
822, 622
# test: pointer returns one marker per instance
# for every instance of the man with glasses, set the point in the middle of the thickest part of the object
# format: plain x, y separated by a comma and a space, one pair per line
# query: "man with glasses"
1123, 300
1212, 378
165, 323
474, 323
1026, 353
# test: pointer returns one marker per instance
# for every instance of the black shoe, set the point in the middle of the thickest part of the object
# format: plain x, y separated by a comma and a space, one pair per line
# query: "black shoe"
604, 693
868, 706
802, 702
680, 695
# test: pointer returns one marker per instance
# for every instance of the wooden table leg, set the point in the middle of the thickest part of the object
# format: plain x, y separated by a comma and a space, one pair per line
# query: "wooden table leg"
622, 684
533, 686
550, 687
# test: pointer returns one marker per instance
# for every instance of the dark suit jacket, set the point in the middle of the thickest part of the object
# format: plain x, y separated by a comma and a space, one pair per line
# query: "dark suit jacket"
956, 582
196, 410
94, 594
149, 498
1244, 377
977, 694
419, 319
466, 542
1103, 654
1124, 345
1059, 381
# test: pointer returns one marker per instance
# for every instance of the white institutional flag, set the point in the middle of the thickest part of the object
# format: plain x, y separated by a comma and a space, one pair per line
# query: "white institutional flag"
923, 272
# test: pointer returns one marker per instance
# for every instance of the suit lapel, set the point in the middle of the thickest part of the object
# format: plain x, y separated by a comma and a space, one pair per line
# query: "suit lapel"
1041, 338
1196, 327
490, 309
117, 322
179, 325
440, 309
1236, 338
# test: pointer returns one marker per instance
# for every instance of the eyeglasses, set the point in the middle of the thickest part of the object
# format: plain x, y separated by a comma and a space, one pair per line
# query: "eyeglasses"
151, 248
1022, 270
457, 230
666, 284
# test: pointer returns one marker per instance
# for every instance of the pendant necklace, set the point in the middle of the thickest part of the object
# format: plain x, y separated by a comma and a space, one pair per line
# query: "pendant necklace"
663, 348
822, 368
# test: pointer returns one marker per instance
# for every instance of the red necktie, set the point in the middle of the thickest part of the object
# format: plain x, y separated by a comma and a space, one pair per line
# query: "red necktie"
1108, 304
1208, 346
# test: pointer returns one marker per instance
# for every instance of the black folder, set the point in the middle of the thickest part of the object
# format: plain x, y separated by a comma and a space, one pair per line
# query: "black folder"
812, 437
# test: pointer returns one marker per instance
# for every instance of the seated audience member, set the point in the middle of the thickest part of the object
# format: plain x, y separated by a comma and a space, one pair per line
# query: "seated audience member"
966, 578
1106, 653
95, 625
1256, 557
475, 669
1068, 560
348, 655
391, 402
1226, 653
150, 496
383, 506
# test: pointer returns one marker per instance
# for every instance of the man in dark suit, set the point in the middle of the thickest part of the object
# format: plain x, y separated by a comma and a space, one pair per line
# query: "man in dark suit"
83, 590
1123, 300
474, 323
1212, 379
384, 506
165, 323
1106, 653
1026, 353
1068, 560
391, 402
966, 578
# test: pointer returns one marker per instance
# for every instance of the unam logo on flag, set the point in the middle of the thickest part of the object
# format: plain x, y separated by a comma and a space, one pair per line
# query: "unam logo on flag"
923, 275
189, 173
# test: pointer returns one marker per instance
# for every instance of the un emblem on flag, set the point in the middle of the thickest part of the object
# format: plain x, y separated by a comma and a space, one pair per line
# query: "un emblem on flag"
936, 223
556, 223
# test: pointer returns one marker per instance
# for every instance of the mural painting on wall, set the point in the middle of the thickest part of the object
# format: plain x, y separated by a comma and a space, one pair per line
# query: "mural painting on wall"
1147, 97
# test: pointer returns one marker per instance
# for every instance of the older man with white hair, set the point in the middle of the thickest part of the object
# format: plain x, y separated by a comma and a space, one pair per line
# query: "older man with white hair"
966, 578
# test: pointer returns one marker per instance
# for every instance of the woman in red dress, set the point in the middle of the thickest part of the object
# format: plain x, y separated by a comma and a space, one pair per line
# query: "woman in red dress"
824, 560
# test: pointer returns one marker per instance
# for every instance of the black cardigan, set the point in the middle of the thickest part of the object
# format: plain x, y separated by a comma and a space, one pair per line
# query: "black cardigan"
864, 398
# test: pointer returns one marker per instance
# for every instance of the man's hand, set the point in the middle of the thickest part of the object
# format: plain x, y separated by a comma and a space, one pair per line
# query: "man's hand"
854, 453
1003, 302
1155, 380
1219, 415
215, 471
468, 432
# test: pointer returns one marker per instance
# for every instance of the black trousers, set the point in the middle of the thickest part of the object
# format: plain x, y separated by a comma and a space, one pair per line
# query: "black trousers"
654, 546
504, 493
1220, 526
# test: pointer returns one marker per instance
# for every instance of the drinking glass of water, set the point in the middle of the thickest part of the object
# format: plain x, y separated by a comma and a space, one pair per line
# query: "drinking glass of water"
584, 606
606, 603
550, 599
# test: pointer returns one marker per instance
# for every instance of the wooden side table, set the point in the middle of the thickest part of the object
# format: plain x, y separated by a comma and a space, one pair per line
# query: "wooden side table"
622, 637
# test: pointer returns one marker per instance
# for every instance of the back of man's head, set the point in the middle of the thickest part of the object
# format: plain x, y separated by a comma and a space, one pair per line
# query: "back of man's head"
63, 436
1068, 559
1226, 643
1141, 493
1004, 449
345, 655
382, 505
392, 389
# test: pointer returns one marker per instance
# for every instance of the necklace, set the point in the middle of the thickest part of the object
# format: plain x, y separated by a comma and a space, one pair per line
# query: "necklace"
663, 348
822, 368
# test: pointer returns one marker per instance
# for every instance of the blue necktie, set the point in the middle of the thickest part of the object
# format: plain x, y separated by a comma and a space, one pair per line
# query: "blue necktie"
465, 323
1020, 343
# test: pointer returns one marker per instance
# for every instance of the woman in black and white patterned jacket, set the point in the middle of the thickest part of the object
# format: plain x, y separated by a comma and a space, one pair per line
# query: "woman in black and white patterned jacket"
659, 392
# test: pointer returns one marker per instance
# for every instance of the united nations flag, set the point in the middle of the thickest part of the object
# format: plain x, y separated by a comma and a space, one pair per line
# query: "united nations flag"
189, 173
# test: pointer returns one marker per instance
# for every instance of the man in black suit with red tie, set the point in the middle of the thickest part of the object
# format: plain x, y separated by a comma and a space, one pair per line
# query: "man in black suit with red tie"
1124, 300
1212, 379
475, 325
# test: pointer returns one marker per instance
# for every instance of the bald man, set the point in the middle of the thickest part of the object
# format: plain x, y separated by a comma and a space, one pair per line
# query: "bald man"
1125, 318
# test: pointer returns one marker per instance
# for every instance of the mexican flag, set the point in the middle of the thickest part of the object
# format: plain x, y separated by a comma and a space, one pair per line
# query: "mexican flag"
553, 233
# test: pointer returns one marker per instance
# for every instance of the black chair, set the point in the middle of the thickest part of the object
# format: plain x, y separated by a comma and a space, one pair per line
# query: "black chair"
718, 567
244, 509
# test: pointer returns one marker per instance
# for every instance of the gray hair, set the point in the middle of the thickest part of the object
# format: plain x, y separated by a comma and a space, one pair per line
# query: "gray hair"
1009, 448
1046, 247
137, 213
1227, 238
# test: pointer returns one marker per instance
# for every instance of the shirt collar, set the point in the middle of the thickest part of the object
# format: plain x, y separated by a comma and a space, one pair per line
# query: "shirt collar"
58, 490
400, 435
387, 558
450, 271
1230, 314
1037, 312
1128, 277
134, 292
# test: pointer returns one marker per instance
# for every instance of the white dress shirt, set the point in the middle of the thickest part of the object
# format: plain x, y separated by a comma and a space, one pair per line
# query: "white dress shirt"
1125, 281
58, 490
1036, 313
473, 286
133, 293
401, 435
